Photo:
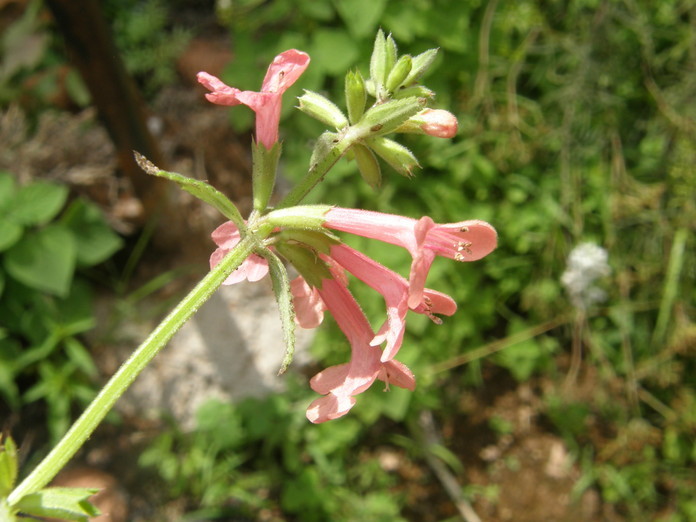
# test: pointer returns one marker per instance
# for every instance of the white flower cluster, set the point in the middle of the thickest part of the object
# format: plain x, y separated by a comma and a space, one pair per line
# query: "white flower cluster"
587, 262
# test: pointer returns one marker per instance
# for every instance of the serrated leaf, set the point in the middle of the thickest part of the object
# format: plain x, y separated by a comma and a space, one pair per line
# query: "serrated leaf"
281, 288
44, 259
37, 203
94, 240
64, 503
200, 189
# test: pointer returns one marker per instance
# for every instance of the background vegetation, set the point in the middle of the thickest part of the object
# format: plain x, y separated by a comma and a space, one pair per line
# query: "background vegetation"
577, 124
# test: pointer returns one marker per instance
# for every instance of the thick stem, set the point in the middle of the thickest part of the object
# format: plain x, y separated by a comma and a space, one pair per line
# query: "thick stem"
122, 379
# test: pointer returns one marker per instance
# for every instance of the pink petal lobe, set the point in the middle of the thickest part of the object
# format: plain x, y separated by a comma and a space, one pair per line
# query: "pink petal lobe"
221, 94
226, 235
309, 308
256, 268
285, 69
330, 378
419, 273
398, 374
329, 407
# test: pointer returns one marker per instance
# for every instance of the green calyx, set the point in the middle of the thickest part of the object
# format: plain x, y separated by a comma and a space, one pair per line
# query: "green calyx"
306, 261
321, 108
264, 168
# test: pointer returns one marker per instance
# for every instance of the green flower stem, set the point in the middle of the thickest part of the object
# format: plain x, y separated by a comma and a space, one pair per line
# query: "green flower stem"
319, 168
124, 377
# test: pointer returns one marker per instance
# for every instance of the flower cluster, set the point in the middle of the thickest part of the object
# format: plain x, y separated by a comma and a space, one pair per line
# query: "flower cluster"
423, 239
305, 235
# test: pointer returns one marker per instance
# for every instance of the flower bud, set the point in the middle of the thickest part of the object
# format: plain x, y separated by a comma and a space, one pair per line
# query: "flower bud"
391, 54
396, 155
421, 64
378, 61
419, 91
387, 116
367, 165
399, 73
434, 122
356, 96
322, 109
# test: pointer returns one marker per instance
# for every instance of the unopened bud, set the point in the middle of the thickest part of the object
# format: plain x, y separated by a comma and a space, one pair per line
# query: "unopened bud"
396, 155
421, 64
399, 73
434, 122
322, 109
388, 116
391, 53
356, 96
367, 165
378, 61
419, 91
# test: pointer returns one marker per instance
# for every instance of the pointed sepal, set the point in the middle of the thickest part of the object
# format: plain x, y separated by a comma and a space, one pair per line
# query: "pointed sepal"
281, 289
306, 262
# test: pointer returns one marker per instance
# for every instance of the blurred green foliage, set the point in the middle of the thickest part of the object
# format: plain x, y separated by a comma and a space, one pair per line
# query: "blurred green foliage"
238, 461
44, 306
148, 42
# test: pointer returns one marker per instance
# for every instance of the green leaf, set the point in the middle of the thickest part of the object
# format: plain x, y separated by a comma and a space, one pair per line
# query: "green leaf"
7, 188
281, 288
8, 467
333, 51
65, 503
94, 240
199, 189
9, 233
361, 16
37, 203
44, 260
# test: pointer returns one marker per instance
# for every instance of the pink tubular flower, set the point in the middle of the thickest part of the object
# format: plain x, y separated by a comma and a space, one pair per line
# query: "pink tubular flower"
340, 384
282, 73
226, 237
423, 238
395, 290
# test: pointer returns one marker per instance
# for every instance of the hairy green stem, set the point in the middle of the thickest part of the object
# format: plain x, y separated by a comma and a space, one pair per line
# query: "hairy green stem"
124, 377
